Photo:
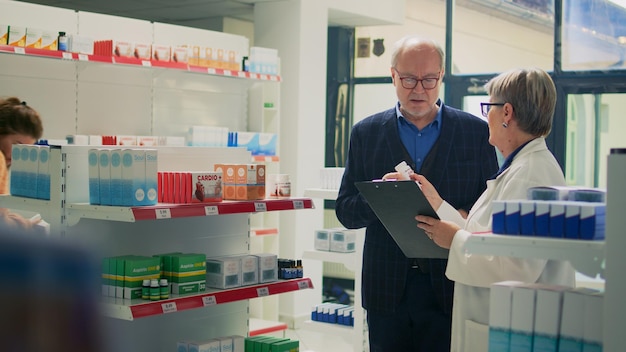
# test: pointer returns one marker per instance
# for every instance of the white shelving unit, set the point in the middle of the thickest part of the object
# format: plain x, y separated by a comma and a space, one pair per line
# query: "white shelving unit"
357, 335
215, 229
586, 256
103, 95
264, 116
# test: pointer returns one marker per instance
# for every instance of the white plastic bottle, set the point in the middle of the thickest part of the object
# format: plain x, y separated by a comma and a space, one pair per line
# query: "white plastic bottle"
283, 186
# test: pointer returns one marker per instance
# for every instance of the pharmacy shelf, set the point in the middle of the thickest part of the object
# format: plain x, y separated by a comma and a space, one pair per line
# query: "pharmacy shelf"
349, 260
78, 211
54, 54
126, 309
586, 256
321, 193
22, 203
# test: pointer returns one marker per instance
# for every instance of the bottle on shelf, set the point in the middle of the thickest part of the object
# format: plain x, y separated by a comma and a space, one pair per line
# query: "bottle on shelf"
62, 42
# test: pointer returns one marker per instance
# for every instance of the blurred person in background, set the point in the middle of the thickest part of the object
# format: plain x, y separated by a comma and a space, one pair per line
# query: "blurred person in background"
19, 124
48, 295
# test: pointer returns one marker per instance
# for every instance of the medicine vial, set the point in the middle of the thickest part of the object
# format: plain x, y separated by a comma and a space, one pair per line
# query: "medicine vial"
164, 289
155, 291
404, 170
62, 41
145, 289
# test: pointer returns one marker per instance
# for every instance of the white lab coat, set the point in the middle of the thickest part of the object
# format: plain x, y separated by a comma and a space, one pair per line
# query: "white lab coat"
473, 274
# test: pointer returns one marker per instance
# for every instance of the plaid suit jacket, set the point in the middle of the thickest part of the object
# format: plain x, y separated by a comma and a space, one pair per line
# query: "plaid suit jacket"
458, 166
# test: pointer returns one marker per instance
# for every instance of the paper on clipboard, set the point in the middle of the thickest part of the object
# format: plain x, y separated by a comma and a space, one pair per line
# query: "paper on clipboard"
396, 203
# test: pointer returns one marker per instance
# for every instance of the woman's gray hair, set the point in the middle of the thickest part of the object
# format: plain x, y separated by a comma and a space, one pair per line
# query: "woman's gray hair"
412, 40
532, 93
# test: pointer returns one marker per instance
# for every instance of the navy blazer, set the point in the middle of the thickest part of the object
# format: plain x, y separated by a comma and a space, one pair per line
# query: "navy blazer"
458, 165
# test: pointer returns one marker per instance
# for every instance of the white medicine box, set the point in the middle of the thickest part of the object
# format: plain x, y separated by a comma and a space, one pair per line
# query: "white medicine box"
342, 240
322, 240
223, 272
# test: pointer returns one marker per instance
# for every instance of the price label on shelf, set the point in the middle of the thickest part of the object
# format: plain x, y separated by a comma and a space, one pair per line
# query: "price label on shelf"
228, 73
67, 56
169, 307
209, 301
254, 75
83, 57
146, 63
241, 74
211, 210
163, 213
303, 285
260, 206
298, 204
262, 292
211, 71
19, 50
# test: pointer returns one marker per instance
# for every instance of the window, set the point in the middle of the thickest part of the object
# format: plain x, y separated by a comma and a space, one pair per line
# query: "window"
594, 34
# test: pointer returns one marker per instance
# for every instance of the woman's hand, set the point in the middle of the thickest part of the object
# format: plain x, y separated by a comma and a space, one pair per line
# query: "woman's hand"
440, 231
429, 191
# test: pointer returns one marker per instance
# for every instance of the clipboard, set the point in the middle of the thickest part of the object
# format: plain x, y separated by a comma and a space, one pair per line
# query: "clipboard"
396, 203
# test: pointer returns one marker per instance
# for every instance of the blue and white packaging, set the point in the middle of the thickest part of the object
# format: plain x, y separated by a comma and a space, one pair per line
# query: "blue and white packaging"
249, 140
31, 170
43, 179
322, 240
343, 240
511, 223
542, 218
592, 333
557, 219
23, 172
204, 346
548, 193
548, 310
584, 194
348, 316
94, 176
133, 177
116, 177
239, 343
319, 312
572, 220
151, 177
592, 221
17, 170
527, 217
573, 319
226, 344
498, 218
334, 311
500, 306
522, 318
268, 144
340, 314
104, 165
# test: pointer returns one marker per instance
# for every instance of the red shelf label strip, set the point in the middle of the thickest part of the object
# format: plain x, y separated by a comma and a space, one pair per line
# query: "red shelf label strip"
233, 295
55, 54
166, 211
